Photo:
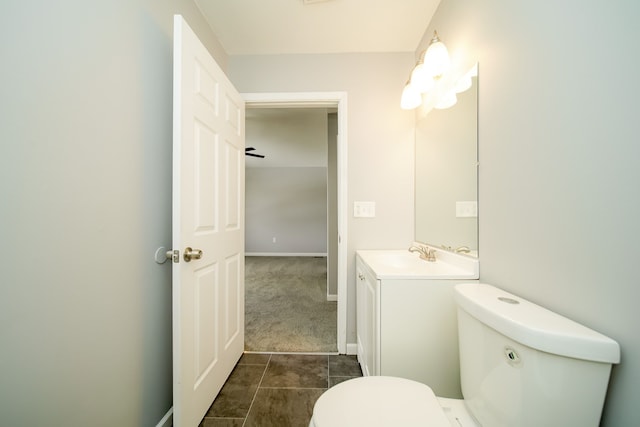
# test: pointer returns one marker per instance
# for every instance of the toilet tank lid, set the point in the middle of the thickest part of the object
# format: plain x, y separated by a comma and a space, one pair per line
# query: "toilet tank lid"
534, 326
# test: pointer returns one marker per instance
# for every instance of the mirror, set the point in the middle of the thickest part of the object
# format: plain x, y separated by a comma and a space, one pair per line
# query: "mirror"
447, 175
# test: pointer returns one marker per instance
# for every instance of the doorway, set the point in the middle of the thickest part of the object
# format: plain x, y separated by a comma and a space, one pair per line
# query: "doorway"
336, 246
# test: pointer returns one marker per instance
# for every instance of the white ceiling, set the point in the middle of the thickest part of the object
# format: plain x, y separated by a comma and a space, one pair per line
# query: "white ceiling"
253, 27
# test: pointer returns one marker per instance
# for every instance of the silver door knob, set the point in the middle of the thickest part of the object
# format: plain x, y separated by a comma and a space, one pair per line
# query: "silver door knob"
190, 254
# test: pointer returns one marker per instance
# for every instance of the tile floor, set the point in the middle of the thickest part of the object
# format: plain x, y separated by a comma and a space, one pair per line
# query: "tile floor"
277, 390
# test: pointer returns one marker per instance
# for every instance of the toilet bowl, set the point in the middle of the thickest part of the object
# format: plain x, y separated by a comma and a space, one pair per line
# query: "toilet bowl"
520, 365
387, 401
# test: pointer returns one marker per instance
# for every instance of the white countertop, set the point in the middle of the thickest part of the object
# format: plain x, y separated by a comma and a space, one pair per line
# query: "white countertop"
402, 264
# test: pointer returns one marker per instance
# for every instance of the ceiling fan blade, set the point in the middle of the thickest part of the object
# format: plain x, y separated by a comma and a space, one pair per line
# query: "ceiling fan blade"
254, 155
249, 149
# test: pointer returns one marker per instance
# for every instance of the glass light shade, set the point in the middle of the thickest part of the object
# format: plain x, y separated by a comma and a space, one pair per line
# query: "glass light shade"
436, 58
463, 84
448, 100
411, 98
465, 81
421, 80
474, 71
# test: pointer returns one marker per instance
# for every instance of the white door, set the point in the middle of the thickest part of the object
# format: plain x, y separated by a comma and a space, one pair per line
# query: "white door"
208, 217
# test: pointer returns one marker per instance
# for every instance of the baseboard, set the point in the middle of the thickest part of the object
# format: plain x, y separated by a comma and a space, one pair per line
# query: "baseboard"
332, 297
167, 420
352, 348
309, 254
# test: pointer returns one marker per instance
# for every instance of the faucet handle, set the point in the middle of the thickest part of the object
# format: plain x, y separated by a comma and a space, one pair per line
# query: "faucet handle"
430, 255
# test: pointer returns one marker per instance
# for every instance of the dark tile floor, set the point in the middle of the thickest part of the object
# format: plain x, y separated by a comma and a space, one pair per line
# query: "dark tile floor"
278, 390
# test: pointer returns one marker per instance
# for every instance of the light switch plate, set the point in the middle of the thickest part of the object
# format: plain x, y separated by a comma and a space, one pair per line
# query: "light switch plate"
467, 209
364, 209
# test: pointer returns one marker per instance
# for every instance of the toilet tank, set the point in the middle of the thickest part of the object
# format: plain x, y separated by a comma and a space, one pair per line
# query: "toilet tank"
523, 365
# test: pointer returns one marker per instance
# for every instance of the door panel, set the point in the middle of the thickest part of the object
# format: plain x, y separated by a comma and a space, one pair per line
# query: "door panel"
208, 215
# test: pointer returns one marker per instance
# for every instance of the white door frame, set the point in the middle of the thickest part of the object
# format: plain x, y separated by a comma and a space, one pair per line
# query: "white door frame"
323, 100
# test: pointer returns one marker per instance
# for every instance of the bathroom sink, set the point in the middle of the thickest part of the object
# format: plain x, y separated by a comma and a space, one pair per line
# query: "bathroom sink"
402, 264
398, 259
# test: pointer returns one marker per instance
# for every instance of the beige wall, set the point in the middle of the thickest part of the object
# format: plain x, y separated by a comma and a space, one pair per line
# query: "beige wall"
558, 148
380, 136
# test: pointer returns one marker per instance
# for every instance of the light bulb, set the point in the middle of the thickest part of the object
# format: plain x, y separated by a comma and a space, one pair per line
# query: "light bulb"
436, 58
421, 80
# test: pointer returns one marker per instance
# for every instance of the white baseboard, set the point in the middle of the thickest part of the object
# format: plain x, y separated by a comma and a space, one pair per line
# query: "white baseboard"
352, 348
309, 254
167, 420
332, 297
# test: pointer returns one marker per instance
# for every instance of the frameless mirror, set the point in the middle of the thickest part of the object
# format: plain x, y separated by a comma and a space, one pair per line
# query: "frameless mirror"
447, 175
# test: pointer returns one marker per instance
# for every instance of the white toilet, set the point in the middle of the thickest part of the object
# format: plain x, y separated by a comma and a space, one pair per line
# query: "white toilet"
520, 365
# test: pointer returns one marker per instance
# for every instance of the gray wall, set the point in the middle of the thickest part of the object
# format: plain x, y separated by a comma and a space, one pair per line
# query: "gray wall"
85, 131
85, 189
289, 205
558, 135
286, 192
380, 137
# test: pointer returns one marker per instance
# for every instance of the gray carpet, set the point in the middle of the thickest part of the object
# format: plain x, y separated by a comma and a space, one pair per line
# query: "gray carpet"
286, 307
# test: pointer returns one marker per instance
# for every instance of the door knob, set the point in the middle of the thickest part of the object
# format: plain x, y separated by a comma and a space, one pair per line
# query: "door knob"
190, 254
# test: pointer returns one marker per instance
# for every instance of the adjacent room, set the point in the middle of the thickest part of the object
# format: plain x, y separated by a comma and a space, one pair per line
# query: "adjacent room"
290, 198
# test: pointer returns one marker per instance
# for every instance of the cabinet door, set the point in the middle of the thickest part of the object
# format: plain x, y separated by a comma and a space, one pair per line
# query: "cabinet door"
367, 321
371, 325
418, 333
360, 316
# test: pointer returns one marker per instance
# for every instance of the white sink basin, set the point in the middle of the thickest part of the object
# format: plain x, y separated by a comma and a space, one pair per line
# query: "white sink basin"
402, 264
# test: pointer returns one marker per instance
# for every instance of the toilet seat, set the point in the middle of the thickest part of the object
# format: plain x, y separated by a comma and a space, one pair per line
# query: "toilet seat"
378, 401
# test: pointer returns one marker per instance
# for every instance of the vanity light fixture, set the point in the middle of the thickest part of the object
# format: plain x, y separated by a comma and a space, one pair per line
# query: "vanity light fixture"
465, 81
431, 65
447, 100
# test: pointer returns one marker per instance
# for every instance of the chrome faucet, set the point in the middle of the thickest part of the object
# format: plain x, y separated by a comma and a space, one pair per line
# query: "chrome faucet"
425, 253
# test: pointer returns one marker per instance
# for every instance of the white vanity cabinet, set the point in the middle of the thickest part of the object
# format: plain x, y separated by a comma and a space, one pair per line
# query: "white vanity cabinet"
407, 327
368, 325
